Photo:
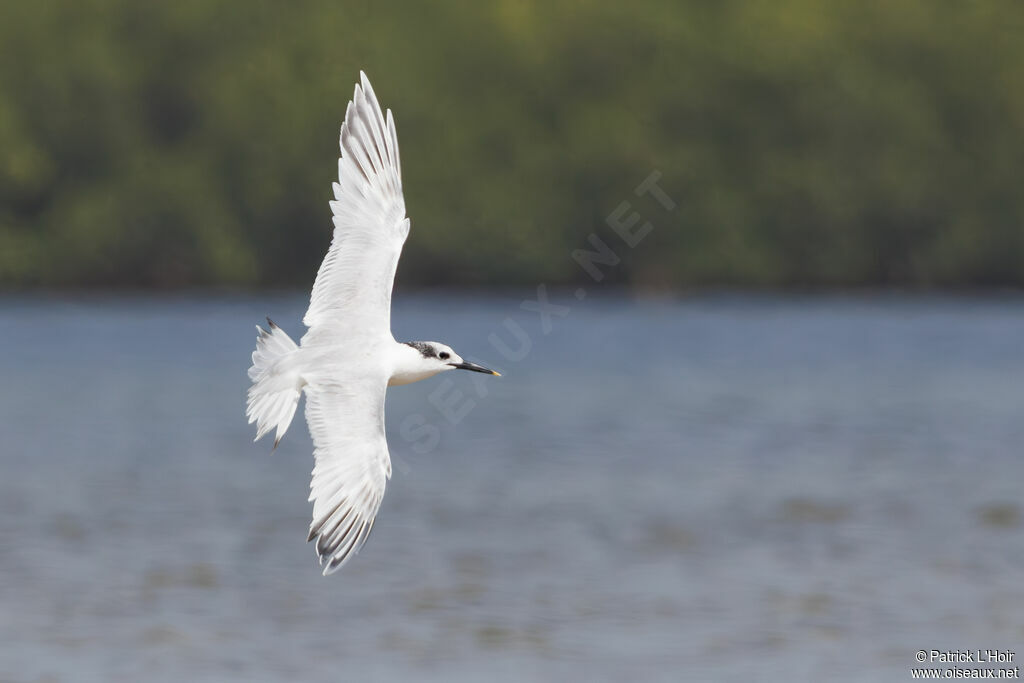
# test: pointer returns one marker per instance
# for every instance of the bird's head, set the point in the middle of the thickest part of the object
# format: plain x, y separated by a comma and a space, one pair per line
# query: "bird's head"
431, 358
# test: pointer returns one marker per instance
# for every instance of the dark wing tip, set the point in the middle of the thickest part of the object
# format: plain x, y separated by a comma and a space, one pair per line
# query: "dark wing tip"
337, 543
353, 542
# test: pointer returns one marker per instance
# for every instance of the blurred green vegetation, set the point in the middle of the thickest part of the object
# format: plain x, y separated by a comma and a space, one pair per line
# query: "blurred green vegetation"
871, 143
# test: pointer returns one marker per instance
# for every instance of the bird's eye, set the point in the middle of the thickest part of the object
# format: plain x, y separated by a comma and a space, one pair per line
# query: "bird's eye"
444, 355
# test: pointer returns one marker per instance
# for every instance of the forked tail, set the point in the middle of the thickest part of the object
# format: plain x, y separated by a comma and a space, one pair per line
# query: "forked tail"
276, 386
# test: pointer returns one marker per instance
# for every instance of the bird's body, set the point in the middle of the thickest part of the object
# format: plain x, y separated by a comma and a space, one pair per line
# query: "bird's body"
348, 356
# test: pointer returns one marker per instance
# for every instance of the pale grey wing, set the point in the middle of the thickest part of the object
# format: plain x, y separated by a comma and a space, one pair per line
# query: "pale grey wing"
352, 464
352, 292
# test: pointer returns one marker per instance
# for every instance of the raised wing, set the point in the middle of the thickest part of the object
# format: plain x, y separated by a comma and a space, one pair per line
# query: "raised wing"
352, 293
352, 465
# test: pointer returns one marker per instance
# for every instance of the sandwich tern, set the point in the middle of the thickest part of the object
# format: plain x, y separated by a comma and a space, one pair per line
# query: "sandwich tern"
348, 357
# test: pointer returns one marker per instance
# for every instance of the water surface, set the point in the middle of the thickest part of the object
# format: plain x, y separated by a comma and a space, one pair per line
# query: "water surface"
733, 489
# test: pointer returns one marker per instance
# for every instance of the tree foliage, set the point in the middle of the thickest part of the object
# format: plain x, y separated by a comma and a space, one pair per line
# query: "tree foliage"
806, 143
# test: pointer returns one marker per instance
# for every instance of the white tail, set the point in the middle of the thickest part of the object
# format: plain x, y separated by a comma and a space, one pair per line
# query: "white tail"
276, 386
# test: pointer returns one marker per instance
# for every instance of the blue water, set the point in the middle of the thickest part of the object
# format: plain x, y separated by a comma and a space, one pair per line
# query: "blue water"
720, 488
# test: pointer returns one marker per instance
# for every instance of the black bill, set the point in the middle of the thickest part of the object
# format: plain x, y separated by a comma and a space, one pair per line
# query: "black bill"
475, 368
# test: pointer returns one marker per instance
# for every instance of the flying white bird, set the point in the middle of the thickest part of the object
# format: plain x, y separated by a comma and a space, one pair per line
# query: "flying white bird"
348, 357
